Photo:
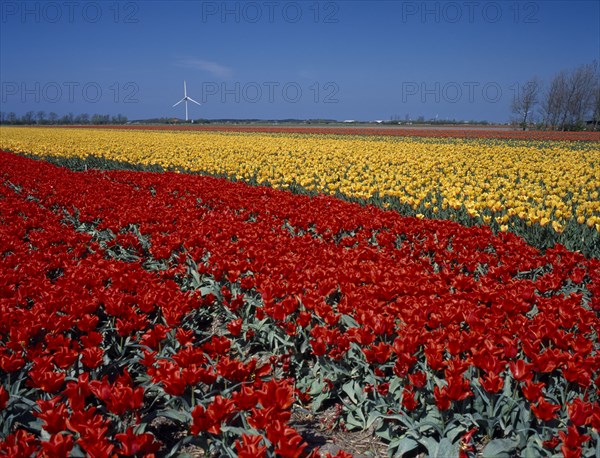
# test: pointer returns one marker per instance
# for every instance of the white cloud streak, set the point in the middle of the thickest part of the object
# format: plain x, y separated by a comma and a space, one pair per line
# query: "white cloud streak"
214, 68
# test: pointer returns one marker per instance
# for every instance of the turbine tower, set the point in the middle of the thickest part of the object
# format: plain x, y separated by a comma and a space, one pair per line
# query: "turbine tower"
186, 99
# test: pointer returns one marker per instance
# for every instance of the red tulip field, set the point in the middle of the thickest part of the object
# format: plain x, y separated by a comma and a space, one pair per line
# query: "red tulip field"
159, 314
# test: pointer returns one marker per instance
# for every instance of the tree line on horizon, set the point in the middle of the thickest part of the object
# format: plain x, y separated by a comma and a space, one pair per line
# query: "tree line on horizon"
52, 118
570, 101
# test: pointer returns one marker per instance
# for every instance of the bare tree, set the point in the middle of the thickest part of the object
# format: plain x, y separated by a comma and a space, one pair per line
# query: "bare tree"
596, 98
119, 119
554, 100
28, 117
52, 117
82, 118
580, 95
41, 117
596, 117
525, 101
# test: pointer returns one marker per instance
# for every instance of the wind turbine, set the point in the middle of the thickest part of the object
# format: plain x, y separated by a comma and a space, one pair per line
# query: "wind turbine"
186, 99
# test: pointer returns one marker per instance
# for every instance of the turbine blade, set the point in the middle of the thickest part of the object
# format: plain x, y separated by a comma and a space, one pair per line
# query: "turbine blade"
192, 100
182, 100
184, 90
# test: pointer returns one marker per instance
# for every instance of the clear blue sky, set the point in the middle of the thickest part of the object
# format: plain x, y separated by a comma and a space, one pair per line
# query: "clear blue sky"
284, 59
